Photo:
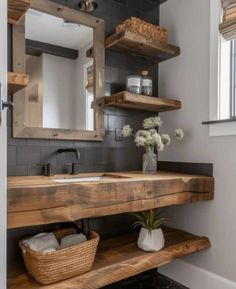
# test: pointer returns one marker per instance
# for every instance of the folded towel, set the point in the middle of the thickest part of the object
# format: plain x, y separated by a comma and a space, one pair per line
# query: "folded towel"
71, 240
42, 242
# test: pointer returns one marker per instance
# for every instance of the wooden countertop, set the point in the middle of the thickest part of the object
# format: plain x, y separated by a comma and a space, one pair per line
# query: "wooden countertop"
40, 200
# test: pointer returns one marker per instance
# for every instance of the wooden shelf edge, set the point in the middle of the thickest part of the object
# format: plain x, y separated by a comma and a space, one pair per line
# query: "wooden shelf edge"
16, 82
118, 259
73, 213
17, 10
47, 203
141, 46
130, 100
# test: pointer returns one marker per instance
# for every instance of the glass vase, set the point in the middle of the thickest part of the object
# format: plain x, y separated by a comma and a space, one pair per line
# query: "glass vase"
149, 162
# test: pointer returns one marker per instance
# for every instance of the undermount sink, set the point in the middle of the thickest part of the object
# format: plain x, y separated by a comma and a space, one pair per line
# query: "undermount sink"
85, 179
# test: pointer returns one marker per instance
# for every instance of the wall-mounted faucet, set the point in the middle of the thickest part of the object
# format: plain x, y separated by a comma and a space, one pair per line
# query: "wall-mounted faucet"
77, 156
70, 150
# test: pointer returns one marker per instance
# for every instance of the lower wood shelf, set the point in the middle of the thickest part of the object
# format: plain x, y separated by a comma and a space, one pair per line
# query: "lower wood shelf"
118, 259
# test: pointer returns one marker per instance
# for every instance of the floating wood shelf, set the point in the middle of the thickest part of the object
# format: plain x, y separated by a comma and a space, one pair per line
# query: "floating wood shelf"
40, 200
17, 10
129, 100
16, 82
118, 259
141, 46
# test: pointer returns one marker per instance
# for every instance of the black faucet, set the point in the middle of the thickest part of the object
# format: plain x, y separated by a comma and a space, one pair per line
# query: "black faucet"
77, 155
70, 150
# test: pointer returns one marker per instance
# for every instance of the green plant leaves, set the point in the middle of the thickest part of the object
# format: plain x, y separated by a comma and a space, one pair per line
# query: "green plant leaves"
150, 220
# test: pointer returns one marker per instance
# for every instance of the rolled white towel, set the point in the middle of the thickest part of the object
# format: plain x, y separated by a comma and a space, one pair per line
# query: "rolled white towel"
49, 250
72, 240
42, 242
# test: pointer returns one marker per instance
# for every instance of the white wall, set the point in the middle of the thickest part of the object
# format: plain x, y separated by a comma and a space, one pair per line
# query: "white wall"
58, 92
64, 94
187, 78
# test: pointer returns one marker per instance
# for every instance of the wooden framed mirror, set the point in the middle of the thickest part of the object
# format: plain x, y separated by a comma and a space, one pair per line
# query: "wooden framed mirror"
52, 44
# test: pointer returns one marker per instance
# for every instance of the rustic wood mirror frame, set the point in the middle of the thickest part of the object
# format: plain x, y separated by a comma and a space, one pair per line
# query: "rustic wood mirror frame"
20, 130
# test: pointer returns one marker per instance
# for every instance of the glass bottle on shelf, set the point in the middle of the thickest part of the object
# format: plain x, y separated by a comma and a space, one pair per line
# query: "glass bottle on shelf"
146, 83
134, 84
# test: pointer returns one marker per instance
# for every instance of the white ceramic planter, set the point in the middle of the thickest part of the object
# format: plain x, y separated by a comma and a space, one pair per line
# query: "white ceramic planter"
151, 241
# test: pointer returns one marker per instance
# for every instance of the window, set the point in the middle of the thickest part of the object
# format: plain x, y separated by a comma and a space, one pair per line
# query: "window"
225, 70
233, 79
222, 112
227, 85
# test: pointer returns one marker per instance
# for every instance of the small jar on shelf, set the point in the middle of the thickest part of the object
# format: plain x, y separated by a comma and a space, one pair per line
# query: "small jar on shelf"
134, 84
146, 83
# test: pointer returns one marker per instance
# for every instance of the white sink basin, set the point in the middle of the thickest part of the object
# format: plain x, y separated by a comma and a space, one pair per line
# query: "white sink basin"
85, 179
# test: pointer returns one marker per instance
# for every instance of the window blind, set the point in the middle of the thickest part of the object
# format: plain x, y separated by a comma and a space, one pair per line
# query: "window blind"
228, 25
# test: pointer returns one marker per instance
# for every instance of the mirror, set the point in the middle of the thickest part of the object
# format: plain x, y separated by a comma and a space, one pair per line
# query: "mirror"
65, 77
61, 87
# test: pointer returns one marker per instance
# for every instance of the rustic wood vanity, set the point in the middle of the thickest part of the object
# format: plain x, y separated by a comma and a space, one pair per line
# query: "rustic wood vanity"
43, 200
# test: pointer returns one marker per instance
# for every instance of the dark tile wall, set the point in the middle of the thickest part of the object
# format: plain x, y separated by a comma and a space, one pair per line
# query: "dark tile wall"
25, 156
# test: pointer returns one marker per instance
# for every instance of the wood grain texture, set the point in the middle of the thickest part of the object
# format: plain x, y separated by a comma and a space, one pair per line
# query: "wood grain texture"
17, 10
39, 200
118, 259
139, 45
130, 100
16, 82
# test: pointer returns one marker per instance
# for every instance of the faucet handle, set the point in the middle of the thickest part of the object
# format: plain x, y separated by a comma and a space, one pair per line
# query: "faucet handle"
73, 169
49, 170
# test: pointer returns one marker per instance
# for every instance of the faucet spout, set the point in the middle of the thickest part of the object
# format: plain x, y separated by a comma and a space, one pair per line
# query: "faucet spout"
70, 150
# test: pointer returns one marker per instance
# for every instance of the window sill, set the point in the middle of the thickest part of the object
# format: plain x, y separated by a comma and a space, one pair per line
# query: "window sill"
224, 127
219, 121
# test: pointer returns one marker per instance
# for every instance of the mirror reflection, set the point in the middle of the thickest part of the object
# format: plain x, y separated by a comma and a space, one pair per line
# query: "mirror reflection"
61, 72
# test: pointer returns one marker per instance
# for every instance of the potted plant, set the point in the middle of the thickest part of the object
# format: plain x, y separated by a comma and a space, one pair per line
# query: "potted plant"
151, 237
151, 140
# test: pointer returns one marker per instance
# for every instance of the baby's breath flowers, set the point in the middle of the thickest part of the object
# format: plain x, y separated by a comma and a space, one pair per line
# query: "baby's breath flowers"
179, 134
149, 138
127, 131
166, 139
152, 122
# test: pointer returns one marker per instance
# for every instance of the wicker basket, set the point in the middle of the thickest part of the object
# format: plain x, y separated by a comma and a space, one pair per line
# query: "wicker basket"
143, 28
48, 268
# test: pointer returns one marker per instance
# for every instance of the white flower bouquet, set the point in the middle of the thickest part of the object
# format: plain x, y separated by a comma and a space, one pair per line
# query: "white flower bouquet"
150, 139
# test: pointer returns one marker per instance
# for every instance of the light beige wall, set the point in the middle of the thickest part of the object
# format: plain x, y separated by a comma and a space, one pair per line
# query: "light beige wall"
187, 78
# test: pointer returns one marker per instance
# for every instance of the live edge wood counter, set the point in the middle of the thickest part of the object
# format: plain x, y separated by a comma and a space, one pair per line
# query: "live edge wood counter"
40, 200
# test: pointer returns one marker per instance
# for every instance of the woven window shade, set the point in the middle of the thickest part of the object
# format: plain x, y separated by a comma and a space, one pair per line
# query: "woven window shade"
228, 25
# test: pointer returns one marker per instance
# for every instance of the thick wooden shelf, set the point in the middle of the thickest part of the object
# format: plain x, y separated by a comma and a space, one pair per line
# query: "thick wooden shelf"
141, 46
130, 100
17, 10
40, 200
16, 82
118, 259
